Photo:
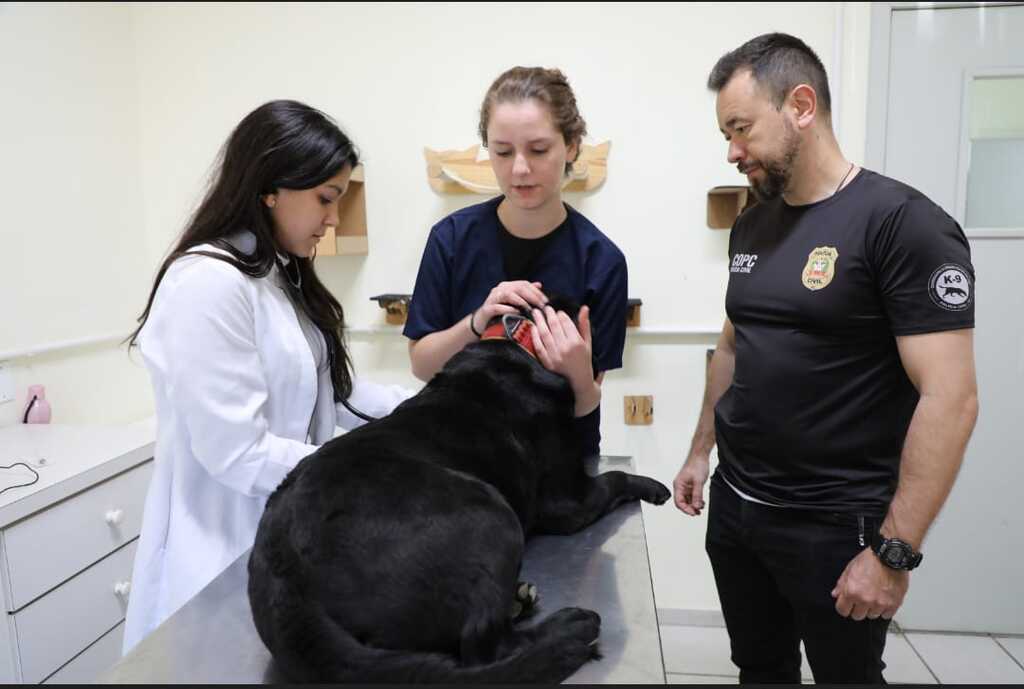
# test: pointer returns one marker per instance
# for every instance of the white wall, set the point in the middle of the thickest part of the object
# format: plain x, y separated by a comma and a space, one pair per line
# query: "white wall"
401, 77
75, 258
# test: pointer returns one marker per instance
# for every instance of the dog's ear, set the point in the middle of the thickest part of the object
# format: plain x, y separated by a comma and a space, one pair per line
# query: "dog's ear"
570, 306
557, 301
560, 302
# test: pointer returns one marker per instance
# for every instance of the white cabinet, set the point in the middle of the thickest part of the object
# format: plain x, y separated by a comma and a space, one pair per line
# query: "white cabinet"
67, 544
93, 661
52, 545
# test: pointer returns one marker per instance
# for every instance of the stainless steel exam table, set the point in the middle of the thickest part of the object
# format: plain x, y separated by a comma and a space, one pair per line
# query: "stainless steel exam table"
605, 567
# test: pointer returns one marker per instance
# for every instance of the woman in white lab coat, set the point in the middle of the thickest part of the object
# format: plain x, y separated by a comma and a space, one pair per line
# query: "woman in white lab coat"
244, 346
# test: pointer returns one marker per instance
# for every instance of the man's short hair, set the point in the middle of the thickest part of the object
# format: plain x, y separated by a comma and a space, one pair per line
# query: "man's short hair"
778, 62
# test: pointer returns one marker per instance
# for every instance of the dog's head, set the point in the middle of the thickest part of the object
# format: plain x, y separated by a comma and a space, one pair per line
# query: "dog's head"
555, 301
499, 371
517, 327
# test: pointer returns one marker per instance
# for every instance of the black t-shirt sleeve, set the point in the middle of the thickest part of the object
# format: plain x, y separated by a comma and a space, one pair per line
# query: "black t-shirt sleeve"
430, 308
923, 268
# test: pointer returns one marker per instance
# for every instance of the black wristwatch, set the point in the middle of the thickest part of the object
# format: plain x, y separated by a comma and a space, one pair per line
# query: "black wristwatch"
897, 554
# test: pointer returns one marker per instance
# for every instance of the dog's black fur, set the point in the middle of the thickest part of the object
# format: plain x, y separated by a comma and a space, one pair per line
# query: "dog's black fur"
392, 554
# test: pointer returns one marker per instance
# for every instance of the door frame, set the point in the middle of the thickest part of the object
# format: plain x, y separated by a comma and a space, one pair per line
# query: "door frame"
879, 57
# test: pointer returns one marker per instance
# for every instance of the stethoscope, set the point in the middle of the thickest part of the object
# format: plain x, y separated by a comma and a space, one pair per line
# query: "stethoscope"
297, 284
361, 415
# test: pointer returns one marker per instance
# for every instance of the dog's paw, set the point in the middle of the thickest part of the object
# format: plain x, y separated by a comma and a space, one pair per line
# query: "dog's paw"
526, 593
525, 603
578, 627
569, 638
579, 623
649, 490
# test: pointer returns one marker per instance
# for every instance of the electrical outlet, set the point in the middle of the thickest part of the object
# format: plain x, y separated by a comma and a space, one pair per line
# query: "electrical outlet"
6, 384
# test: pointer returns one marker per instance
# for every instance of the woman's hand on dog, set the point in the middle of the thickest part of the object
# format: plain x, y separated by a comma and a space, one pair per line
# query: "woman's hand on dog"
566, 350
508, 297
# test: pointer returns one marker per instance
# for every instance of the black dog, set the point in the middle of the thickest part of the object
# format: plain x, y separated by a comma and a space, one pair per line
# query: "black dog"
392, 554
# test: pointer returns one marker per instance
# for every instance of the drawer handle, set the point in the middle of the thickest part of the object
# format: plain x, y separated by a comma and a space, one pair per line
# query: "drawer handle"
114, 517
122, 588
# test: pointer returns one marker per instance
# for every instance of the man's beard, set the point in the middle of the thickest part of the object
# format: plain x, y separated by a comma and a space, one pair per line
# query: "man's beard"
777, 173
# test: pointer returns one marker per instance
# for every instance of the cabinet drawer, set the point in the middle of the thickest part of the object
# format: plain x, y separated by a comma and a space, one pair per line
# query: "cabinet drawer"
93, 661
52, 545
58, 626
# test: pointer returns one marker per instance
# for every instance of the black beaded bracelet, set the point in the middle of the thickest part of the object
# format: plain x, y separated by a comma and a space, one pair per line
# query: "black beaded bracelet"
472, 329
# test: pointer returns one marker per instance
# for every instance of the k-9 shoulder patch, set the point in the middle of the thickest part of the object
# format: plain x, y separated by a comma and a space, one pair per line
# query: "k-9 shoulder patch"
950, 287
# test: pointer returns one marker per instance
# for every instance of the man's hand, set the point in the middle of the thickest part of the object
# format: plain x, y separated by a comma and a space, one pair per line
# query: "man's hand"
688, 487
867, 588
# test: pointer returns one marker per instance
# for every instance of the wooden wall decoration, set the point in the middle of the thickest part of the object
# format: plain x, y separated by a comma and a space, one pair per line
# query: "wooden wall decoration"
638, 410
726, 203
462, 172
349, 237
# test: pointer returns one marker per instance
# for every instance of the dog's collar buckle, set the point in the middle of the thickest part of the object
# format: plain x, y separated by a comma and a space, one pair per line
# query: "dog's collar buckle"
512, 327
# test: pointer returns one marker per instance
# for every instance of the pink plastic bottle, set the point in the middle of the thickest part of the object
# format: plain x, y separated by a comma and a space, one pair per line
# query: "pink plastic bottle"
38, 409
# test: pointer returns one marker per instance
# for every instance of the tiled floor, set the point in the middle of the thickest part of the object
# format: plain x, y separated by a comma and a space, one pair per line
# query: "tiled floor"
700, 655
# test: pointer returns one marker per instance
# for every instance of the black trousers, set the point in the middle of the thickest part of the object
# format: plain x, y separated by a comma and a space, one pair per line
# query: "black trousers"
775, 569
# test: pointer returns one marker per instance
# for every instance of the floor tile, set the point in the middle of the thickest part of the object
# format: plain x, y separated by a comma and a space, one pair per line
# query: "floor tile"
701, 679
902, 666
697, 650
702, 651
1014, 645
963, 659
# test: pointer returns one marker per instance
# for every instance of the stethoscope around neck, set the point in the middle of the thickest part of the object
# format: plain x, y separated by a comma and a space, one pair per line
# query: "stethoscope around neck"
288, 266
290, 269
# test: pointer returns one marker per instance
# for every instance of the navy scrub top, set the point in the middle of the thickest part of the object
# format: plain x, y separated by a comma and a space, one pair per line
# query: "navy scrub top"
463, 261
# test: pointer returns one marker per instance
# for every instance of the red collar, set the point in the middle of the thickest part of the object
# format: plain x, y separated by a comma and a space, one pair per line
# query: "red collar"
517, 330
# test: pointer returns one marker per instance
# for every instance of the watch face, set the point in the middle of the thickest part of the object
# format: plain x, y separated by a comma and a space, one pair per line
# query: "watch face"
894, 556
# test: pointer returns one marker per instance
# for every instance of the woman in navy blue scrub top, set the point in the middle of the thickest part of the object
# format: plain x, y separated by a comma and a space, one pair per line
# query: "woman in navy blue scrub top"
504, 254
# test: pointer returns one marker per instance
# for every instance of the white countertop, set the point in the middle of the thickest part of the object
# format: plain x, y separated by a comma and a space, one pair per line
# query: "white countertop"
68, 458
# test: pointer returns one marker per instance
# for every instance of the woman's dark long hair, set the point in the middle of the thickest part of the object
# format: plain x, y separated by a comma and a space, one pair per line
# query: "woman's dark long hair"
282, 144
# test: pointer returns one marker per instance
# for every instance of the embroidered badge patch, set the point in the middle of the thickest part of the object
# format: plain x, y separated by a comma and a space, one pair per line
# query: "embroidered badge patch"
950, 287
820, 268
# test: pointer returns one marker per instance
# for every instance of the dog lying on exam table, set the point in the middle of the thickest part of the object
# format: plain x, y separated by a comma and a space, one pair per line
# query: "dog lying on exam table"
392, 554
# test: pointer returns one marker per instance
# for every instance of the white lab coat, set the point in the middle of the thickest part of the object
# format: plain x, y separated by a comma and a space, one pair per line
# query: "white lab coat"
235, 385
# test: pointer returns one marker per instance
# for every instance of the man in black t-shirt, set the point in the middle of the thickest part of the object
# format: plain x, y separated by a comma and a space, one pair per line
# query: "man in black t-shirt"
842, 391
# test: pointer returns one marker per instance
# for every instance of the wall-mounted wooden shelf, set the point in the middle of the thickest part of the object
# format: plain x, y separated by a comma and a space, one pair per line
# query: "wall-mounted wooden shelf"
726, 203
396, 307
349, 237
464, 172
633, 313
